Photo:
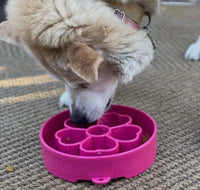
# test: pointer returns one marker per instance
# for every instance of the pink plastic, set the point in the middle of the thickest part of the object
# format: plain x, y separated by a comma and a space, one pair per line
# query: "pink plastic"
120, 144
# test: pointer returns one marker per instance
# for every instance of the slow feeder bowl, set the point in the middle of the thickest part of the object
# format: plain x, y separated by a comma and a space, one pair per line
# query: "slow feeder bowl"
120, 144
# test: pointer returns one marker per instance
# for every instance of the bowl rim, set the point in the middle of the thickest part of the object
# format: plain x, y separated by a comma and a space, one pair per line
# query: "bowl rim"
149, 141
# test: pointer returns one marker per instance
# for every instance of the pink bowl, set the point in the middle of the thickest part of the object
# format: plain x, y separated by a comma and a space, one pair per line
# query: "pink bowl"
103, 151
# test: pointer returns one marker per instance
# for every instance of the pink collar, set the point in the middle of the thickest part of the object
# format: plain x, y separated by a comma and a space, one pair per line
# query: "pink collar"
121, 15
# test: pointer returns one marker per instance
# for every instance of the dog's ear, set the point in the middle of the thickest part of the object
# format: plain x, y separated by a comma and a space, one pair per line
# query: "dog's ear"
8, 34
84, 61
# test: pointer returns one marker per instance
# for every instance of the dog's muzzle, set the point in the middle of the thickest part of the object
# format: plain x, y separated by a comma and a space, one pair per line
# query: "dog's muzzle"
77, 117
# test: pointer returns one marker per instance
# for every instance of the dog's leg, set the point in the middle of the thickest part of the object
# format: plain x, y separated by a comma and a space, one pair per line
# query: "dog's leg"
65, 100
193, 52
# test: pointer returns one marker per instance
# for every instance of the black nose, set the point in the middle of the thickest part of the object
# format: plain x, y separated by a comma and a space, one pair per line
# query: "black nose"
78, 118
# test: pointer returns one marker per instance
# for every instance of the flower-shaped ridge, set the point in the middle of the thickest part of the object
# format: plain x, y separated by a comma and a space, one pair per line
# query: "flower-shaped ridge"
111, 134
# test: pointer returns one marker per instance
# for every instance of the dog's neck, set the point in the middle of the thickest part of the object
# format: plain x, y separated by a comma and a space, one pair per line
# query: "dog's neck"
132, 10
121, 15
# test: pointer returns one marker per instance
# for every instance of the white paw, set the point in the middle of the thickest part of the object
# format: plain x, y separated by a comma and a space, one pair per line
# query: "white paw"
65, 100
193, 52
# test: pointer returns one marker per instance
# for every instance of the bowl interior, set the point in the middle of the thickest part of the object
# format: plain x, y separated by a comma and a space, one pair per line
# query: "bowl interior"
139, 118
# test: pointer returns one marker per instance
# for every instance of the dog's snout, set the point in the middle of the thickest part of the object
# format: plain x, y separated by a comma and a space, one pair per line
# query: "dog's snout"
78, 118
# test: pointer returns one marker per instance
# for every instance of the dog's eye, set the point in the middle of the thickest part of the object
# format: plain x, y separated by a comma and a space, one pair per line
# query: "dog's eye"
107, 105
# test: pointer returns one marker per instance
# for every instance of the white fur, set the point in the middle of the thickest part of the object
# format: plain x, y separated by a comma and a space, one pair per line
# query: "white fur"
92, 100
65, 100
193, 52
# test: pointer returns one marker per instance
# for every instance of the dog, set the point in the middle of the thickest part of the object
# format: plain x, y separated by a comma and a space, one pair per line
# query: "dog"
193, 51
84, 44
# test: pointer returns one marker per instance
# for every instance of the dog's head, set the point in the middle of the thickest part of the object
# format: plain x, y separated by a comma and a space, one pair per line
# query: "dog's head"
83, 44
89, 80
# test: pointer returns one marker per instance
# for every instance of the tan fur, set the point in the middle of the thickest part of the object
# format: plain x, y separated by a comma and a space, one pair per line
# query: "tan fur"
54, 24
132, 10
82, 59
151, 6
79, 41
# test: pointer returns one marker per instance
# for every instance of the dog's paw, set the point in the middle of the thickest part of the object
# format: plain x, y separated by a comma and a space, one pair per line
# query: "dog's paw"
65, 100
193, 52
